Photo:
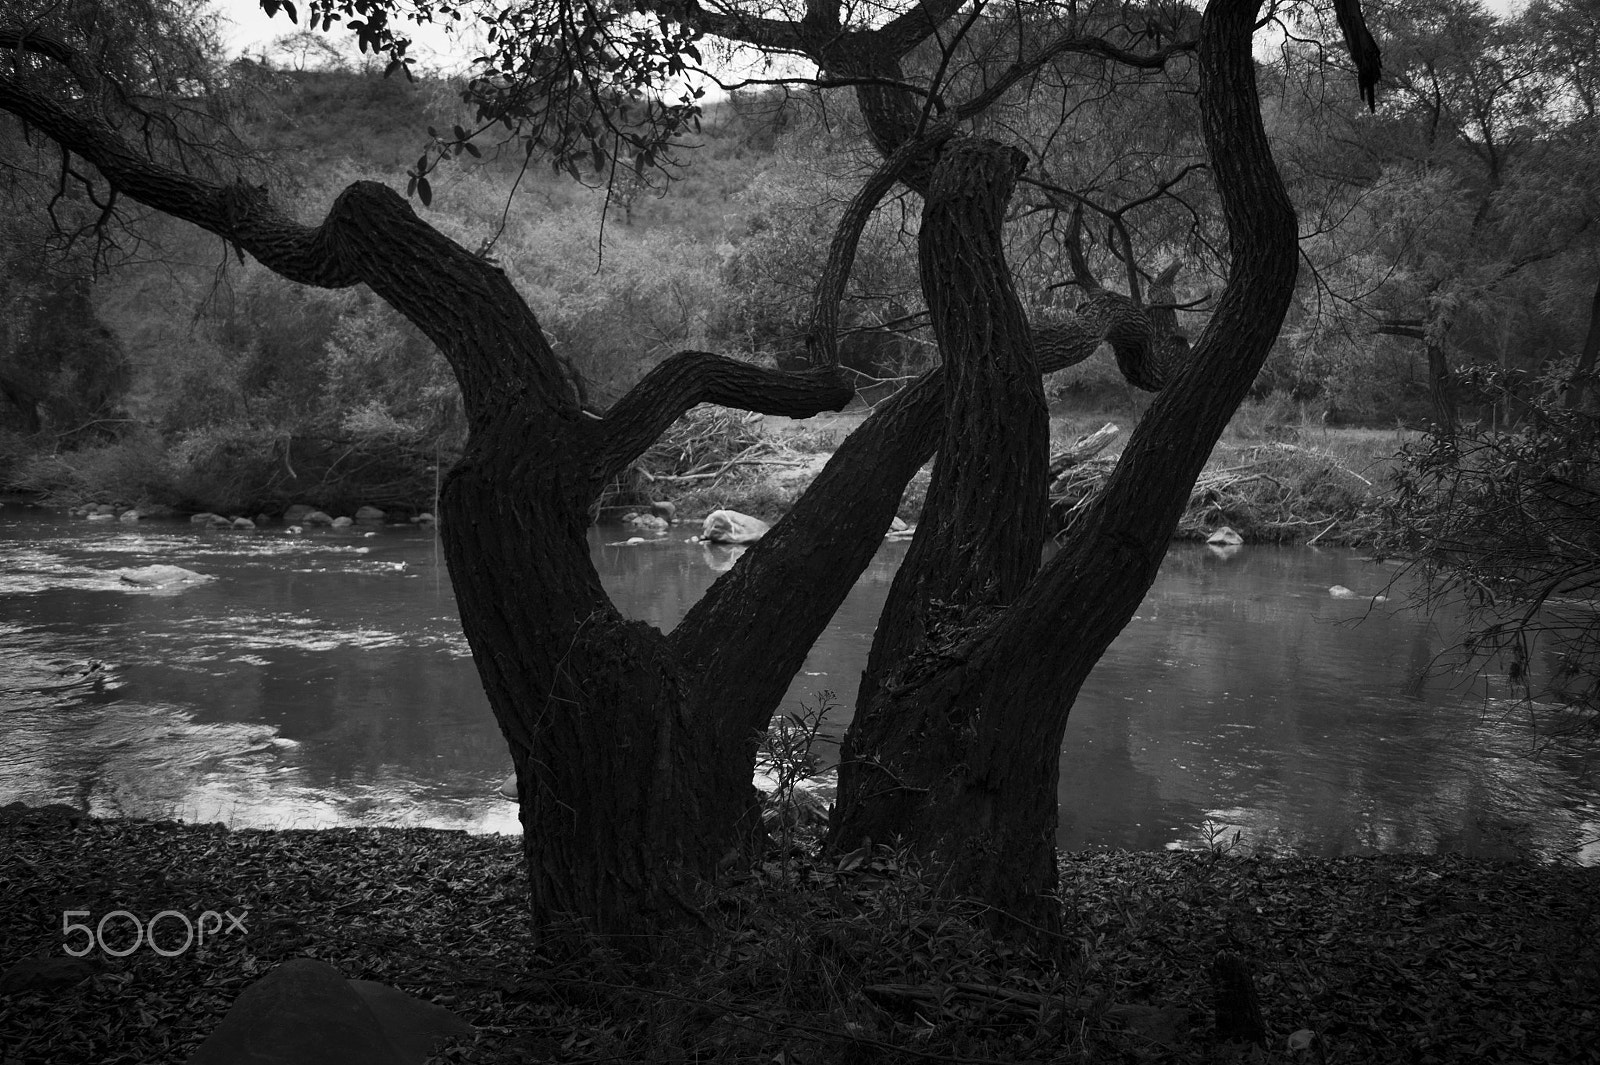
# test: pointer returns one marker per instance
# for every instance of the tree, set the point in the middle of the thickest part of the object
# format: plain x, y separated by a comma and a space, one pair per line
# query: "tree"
1459, 219
634, 748
1506, 524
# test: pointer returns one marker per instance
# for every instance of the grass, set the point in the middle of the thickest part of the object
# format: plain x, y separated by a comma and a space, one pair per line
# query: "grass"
1383, 959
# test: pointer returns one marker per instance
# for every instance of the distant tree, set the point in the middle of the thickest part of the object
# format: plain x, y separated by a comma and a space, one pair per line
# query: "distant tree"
1461, 219
634, 748
1507, 525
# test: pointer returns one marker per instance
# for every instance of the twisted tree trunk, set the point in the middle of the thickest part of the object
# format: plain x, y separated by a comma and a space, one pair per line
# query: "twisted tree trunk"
956, 744
634, 749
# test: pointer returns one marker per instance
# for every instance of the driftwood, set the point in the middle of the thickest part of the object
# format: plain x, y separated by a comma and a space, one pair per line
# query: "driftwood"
1082, 449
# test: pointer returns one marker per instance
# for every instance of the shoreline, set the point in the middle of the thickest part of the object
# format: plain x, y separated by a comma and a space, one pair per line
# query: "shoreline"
1267, 491
1385, 958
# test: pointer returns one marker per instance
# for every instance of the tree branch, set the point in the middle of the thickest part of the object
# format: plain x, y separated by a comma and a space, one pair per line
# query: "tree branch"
689, 378
371, 235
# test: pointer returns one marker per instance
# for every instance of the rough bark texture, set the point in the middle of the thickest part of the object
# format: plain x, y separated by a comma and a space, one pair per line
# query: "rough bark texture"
957, 750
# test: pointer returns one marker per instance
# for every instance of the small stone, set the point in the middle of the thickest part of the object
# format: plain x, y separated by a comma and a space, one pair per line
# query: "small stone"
1339, 591
102, 517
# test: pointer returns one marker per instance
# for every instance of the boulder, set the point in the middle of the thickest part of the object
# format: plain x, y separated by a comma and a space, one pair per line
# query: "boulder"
105, 508
369, 515
160, 576
664, 509
220, 522
731, 527
243, 523
1339, 591
508, 787
1225, 537
97, 516
297, 512
131, 515
203, 518
315, 517
425, 518
343, 522
304, 1012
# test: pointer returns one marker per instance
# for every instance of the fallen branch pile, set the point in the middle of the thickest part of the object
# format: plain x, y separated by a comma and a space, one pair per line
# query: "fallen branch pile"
1269, 493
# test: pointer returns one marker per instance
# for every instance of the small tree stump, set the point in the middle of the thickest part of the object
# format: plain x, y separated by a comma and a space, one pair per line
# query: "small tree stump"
1238, 1006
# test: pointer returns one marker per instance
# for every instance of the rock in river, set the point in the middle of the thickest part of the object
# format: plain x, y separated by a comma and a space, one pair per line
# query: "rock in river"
731, 527
160, 576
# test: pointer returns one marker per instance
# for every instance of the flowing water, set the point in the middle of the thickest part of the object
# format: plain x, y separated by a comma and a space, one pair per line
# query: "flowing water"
322, 679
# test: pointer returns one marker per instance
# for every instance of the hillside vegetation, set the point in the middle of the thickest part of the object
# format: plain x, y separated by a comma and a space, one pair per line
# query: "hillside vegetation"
168, 372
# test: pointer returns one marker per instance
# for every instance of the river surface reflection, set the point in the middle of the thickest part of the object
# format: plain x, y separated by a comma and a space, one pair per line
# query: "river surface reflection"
322, 679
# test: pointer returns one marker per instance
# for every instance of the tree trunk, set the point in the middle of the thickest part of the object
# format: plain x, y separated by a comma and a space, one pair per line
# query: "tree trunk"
955, 747
1588, 357
1441, 386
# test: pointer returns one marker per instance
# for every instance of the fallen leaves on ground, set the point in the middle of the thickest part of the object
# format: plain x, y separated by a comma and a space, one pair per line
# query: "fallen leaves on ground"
1358, 960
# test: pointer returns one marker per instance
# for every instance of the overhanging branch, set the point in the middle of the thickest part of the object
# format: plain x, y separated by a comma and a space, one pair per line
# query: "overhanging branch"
690, 378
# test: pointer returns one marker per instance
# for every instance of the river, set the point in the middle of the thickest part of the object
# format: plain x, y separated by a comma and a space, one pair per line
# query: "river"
322, 679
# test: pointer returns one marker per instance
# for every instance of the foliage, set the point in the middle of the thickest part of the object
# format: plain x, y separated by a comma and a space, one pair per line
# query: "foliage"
1507, 522
1460, 215
787, 753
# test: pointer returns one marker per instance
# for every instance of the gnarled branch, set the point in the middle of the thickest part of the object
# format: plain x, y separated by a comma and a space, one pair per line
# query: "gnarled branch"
682, 381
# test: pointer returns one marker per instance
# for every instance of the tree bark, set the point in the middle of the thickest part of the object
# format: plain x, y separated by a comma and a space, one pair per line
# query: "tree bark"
1588, 357
956, 747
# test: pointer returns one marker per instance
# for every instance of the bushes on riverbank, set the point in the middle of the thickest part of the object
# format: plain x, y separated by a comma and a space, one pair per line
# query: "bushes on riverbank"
1271, 484
1356, 960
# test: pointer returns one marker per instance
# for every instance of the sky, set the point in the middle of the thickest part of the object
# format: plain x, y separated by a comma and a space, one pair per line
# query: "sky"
248, 29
